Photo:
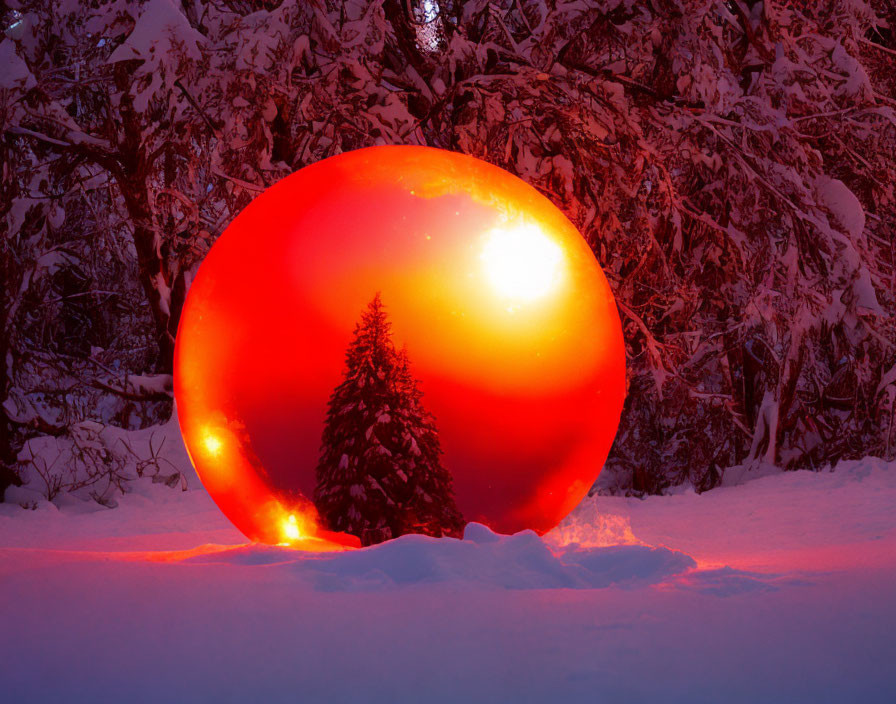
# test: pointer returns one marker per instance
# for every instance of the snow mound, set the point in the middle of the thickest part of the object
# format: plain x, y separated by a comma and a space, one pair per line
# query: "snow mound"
765, 521
482, 559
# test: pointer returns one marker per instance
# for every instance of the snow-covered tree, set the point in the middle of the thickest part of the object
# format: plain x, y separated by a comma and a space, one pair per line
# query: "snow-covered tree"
731, 162
380, 473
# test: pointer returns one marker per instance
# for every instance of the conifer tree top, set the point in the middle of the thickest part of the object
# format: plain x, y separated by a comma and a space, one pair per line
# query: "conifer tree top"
380, 473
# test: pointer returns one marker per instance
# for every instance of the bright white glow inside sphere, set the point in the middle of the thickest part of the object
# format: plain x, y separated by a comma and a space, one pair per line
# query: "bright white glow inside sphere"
212, 443
291, 528
522, 262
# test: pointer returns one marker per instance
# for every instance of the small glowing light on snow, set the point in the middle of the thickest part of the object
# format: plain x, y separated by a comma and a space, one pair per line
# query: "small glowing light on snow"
291, 528
212, 443
522, 262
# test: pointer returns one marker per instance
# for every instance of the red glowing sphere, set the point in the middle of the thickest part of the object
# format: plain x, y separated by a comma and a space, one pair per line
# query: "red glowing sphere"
507, 318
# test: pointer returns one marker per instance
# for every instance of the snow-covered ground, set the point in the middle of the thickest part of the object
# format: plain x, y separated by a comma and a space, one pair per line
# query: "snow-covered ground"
780, 589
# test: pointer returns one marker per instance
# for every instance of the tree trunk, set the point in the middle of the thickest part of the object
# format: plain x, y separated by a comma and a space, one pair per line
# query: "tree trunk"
132, 173
7, 455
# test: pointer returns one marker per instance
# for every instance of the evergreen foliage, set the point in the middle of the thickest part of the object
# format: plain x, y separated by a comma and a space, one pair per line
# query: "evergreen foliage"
380, 474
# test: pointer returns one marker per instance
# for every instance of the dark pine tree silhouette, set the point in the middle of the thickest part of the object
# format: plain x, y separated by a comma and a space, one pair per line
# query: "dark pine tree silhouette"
380, 473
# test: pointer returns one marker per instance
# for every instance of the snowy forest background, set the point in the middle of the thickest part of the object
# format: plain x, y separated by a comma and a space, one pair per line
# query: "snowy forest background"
731, 163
